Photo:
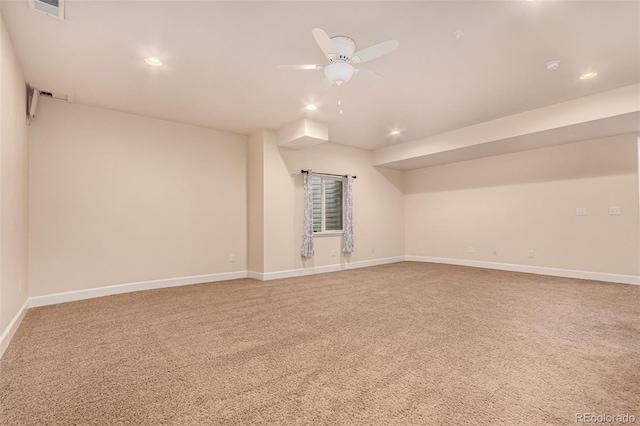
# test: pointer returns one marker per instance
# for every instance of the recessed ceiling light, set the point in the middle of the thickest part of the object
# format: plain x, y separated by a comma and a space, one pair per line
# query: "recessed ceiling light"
311, 107
552, 65
458, 34
588, 75
395, 132
154, 62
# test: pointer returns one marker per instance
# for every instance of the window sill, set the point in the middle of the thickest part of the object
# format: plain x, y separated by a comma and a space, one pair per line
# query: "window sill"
328, 234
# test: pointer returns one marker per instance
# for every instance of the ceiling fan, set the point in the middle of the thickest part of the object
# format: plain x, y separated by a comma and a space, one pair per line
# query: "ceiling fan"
341, 54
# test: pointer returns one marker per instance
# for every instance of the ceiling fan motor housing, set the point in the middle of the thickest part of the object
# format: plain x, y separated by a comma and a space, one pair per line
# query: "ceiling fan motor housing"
344, 48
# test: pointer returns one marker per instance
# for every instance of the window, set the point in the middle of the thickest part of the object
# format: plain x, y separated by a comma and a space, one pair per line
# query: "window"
327, 204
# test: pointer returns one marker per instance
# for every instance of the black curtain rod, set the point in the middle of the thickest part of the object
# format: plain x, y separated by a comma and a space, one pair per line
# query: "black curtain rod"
327, 174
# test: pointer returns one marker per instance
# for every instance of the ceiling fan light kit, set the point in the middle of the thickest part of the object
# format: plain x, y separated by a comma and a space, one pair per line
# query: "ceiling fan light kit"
339, 73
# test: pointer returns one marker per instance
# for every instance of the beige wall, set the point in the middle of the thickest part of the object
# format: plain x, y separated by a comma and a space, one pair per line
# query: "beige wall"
378, 206
118, 198
527, 201
255, 202
279, 210
14, 183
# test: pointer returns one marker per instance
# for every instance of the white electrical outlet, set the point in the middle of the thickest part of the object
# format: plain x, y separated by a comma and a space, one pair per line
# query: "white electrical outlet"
373, 249
20, 286
333, 253
614, 211
471, 249
581, 211
530, 253
495, 252
232, 258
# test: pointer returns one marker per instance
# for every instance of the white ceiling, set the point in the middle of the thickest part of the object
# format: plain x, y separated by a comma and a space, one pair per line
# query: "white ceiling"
221, 60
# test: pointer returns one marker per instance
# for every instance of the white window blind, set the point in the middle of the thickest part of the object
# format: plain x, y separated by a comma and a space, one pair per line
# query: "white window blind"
327, 204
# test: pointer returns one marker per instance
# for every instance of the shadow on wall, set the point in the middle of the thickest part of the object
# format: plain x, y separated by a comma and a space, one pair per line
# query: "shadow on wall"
395, 178
615, 155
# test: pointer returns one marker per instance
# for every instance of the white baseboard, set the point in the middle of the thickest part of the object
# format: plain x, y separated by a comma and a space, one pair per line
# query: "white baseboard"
266, 276
6, 337
70, 296
540, 270
254, 275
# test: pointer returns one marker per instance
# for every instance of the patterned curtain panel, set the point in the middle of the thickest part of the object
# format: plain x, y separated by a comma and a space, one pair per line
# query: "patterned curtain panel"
307, 231
347, 197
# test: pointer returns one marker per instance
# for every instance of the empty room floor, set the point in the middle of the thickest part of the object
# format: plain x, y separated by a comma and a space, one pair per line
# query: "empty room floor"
404, 343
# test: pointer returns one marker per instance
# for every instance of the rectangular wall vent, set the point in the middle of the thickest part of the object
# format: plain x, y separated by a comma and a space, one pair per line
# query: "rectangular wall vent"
59, 96
71, 98
34, 94
53, 8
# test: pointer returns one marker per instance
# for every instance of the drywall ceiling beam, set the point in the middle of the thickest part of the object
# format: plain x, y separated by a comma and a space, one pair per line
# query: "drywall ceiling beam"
623, 102
303, 134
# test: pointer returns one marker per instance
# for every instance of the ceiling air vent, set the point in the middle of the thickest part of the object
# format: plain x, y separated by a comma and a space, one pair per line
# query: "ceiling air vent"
53, 8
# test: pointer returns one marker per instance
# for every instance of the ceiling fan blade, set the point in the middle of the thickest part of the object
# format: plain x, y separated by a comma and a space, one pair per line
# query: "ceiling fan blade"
301, 67
368, 75
324, 41
375, 51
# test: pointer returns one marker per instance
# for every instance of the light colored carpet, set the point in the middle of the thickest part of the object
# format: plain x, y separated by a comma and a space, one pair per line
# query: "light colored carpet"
406, 343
